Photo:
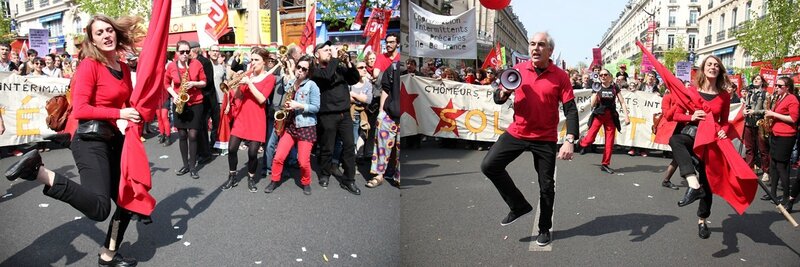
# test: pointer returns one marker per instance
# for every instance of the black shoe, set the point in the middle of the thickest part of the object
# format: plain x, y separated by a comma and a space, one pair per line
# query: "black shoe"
307, 190
118, 260
702, 230
26, 168
789, 205
669, 185
513, 216
194, 174
162, 138
323, 181
691, 195
543, 239
334, 170
251, 184
351, 187
765, 197
270, 187
607, 169
182, 171
230, 183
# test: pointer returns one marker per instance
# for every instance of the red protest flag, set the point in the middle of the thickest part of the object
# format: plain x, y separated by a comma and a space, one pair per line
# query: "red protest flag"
309, 38
359, 16
491, 59
217, 25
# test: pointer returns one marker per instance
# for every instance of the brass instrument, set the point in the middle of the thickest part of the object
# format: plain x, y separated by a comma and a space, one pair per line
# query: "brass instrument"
183, 93
282, 50
765, 124
233, 82
281, 115
344, 57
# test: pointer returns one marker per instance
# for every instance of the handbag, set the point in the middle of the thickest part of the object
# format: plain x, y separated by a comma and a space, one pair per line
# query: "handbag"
58, 110
690, 130
95, 130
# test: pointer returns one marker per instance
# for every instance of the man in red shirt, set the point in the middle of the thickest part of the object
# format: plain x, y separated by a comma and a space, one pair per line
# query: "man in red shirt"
544, 85
384, 60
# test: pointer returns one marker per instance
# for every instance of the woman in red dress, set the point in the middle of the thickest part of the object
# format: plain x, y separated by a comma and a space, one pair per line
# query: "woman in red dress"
102, 88
250, 119
189, 122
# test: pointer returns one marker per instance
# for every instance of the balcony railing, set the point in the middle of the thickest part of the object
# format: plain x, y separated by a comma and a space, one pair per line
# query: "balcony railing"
189, 10
720, 35
707, 40
691, 24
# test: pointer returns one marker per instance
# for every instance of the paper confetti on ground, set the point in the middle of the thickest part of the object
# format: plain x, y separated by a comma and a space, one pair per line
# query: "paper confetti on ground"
505, 237
78, 218
354, 255
176, 227
635, 184
325, 257
299, 260
335, 256
258, 262
743, 259
180, 236
44, 205
620, 174
592, 197
164, 157
7, 195
304, 249
649, 196
186, 243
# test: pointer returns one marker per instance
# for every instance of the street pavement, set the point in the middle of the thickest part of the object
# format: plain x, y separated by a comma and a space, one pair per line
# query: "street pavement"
451, 216
197, 224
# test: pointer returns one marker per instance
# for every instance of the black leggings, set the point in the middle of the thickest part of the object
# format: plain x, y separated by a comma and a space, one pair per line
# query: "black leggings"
781, 153
252, 154
188, 145
98, 166
683, 154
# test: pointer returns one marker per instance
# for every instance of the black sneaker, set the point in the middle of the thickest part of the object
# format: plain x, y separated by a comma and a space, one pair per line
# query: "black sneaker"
607, 169
543, 239
251, 184
117, 260
270, 187
513, 216
307, 190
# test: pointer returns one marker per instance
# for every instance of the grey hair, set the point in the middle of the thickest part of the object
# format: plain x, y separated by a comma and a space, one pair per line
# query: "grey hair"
550, 41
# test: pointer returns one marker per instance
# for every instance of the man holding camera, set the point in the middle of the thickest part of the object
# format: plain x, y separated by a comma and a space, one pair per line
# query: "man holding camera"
543, 86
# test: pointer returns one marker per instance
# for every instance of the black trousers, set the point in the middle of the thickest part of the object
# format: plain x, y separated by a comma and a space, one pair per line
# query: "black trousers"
99, 168
507, 149
329, 126
203, 145
683, 154
780, 154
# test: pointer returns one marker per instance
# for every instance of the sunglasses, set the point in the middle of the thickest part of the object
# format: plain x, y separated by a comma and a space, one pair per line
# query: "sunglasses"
781, 86
304, 69
184, 52
604, 75
361, 67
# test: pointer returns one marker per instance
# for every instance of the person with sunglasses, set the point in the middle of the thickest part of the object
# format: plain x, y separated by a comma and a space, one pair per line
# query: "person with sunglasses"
189, 122
300, 126
604, 113
38, 66
784, 114
250, 117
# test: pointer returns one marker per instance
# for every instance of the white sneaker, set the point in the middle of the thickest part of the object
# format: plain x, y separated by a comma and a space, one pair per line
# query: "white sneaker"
765, 177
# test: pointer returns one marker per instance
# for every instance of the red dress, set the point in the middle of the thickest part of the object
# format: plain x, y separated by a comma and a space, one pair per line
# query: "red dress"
224, 134
251, 121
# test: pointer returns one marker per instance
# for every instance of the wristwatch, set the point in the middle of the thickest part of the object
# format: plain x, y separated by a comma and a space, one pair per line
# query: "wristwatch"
570, 140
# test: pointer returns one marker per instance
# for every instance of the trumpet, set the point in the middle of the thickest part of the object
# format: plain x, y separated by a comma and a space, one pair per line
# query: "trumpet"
343, 55
282, 50
233, 82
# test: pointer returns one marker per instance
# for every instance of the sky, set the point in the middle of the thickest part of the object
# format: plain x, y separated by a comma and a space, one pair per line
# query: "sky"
575, 25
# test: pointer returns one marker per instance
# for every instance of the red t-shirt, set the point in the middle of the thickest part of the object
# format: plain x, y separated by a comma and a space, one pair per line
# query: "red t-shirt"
97, 94
251, 121
383, 61
787, 105
536, 102
196, 74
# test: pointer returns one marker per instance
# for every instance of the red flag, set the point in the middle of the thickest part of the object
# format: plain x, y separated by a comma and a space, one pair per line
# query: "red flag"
491, 59
309, 38
135, 181
217, 25
770, 77
727, 173
23, 51
359, 16
376, 28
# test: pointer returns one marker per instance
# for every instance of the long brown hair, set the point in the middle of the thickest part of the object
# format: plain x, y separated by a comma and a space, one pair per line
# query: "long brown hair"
722, 77
129, 31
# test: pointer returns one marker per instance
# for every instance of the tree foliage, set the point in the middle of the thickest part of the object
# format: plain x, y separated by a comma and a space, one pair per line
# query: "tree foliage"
677, 53
116, 8
774, 36
6, 36
338, 14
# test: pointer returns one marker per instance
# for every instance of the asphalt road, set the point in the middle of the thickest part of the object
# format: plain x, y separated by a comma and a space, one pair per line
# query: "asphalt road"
196, 224
451, 214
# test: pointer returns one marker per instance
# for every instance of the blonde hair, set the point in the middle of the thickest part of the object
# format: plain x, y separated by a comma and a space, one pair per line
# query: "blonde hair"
129, 31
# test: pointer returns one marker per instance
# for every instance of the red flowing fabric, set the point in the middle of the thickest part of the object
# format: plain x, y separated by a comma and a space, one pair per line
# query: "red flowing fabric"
135, 183
727, 173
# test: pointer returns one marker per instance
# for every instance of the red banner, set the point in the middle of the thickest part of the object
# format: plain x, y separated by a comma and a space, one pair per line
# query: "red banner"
770, 77
597, 57
309, 38
737, 80
359, 19
376, 27
491, 59
217, 25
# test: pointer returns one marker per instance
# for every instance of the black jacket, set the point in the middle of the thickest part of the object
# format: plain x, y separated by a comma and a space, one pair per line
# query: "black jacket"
334, 81
210, 91
390, 83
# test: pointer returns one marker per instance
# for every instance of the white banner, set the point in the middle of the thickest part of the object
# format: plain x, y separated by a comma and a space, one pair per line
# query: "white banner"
437, 36
23, 106
458, 110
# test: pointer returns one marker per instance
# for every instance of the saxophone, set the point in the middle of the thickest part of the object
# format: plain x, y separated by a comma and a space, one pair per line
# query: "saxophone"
281, 115
765, 124
183, 94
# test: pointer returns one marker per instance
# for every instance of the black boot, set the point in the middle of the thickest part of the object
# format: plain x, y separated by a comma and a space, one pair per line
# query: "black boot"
231, 181
26, 168
691, 195
251, 184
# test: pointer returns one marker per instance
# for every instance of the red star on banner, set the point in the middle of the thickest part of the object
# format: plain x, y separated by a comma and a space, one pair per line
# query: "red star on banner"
407, 102
447, 118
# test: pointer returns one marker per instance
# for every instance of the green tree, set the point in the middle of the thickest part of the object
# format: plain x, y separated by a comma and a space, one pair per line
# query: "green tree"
6, 36
331, 11
677, 53
774, 36
116, 8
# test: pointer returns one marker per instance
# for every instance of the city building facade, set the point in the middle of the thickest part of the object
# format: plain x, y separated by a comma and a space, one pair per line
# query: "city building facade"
718, 25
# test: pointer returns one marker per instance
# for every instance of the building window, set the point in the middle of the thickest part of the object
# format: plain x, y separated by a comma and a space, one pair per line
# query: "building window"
693, 1
710, 4
747, 9
733, 17
6, 10
670, 41
54, 26
709, 27
693, 16
28, 5
764, 8
692, 42
722, 22
44, 3
78, 24
672, 18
